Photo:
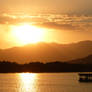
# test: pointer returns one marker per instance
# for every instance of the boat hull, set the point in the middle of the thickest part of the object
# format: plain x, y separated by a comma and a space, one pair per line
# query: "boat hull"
85, 80
85, 77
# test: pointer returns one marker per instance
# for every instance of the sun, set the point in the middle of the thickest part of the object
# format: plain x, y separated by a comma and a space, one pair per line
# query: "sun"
26, 34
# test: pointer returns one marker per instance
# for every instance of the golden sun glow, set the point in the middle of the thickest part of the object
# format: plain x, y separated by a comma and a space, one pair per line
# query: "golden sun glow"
28, 81
26, 34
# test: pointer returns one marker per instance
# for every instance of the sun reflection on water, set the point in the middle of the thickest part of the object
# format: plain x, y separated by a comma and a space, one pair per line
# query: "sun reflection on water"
28, 82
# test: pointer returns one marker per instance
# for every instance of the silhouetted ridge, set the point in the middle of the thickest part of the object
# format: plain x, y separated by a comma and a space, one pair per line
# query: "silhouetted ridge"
85, 42
47, 52
38, 67
86, 60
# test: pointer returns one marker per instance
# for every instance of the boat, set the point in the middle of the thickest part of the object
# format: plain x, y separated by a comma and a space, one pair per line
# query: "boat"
85, 77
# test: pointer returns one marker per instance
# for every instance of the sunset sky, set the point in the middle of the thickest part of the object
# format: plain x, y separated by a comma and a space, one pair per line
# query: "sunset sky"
30, 21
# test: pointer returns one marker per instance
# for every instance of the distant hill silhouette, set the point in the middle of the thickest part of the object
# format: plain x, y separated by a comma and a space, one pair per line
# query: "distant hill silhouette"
86, 60
12, 67
47, 52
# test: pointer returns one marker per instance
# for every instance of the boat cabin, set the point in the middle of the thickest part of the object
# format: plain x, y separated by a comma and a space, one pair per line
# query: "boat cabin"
85, 77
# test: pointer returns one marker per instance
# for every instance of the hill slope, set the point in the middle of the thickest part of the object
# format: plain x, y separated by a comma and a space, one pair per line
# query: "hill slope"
47, 52
86, 60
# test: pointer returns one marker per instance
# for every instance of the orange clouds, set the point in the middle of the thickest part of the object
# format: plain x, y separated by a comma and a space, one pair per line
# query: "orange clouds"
53, 21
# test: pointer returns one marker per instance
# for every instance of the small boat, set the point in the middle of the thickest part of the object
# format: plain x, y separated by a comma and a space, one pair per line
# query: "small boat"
85, 77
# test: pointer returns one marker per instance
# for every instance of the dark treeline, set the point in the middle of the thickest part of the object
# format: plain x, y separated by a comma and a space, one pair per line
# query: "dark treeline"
9, 67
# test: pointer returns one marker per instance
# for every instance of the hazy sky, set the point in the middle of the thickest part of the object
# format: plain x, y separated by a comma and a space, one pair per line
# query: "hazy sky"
65, 21
62, 6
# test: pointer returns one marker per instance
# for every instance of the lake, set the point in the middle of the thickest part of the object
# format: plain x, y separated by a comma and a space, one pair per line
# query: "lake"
42, 82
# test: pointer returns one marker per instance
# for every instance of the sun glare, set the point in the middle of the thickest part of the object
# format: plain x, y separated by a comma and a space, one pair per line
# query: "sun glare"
28, 81
26, 34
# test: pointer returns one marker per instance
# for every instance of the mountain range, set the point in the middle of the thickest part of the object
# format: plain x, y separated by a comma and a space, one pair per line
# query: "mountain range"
86, 60
47, 52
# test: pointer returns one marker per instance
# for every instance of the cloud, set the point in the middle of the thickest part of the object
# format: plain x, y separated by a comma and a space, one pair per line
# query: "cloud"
53, 21
54, 25
15, 19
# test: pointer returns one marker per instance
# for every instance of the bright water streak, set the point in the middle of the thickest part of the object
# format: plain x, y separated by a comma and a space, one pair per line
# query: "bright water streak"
43, 82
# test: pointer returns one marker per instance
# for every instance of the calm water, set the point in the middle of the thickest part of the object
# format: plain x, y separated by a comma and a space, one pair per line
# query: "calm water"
46, 82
